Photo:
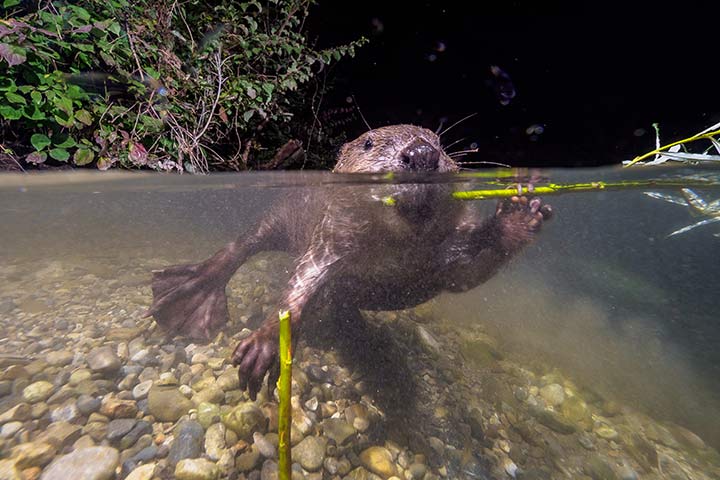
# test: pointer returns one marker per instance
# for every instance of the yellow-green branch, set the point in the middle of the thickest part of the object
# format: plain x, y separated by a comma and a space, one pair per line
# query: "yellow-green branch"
284, 385
700, 136
554, 188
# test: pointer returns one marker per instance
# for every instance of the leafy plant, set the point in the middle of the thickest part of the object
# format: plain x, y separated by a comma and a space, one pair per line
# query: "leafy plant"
186, 86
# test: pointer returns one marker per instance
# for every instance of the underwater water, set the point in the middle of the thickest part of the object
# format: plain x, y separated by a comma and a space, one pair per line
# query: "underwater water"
593, 354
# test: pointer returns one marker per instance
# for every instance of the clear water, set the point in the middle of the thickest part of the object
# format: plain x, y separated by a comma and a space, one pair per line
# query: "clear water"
604, 303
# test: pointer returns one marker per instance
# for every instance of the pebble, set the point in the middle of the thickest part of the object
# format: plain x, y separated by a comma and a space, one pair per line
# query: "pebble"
87, 404
188, 443
207, 414
264, 445
196, 469
338, 430
143, 472
379, 461
8, 470
142, 389
35, 454
598, 469
310, 453
117, 428
10, 429
245, 419
103, 359
59, 358
553, 394
37, 392
167, 404
93, 463
65, 413
215, 441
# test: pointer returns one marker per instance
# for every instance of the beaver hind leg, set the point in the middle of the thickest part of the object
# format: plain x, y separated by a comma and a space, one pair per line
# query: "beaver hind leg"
189, 300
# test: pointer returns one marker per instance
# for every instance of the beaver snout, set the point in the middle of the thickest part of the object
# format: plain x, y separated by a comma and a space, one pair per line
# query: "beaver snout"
420, 156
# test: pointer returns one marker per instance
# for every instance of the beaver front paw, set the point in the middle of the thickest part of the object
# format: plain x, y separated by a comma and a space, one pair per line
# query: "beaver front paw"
520, 219
254, 356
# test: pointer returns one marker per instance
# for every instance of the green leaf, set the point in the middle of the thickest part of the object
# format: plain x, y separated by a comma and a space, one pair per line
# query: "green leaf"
9, 113
84, 117
35, 113
114, 28
36, 97
83, 156
64, 122
80, 12
15, 98
248, 115
64, 104
39, 141
67, 143
10, 3
59, 154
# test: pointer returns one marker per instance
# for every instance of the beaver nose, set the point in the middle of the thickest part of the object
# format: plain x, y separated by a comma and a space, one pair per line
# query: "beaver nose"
420, 156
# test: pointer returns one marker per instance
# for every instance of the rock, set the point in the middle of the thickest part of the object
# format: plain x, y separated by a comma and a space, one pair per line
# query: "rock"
196, 469
599, 469
357, 416
379, 461
207, 414
338, 430
553, 421
576, 411
248, 460
215, 441
113, 407
606, 432
10, 429
142, 389
141, 428
211, 394
19, 413
37, 392
59, 358
143, 472
427, 341
310, 453
610, 408
35, 454
8, 471
104, 360
87, 404
265, 446
66, 413
117, 429
553, 394
60, 433
228, 381
188, 443
361, 474
244, 420
167, 404
93, 463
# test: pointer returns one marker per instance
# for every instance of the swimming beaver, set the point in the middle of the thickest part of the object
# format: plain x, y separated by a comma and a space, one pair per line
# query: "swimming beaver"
353, 248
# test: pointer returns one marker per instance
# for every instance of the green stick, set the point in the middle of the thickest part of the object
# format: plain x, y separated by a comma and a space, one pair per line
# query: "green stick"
284, 386
554, 188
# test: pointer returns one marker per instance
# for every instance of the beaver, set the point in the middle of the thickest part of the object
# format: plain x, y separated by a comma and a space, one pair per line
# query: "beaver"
353, 247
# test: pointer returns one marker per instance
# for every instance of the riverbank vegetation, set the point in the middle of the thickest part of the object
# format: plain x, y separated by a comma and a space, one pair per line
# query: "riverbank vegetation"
173, 86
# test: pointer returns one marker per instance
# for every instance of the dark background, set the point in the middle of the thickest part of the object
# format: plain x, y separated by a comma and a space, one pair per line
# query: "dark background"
595, 81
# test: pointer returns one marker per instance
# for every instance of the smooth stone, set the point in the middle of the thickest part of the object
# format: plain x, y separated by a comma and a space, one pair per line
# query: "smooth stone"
79, 376
8, 471
360, 473
61, 433
5, 387
37, 392
142, 389
211, 394
553, 421
114, 407
167, 404
553, 394
20, 413
215, 444
35, 454
188, 443
248, 460
379, 461
93, 463
265, 445
228, 381
87, 404
244, 420
608, 433
10, 429
196, 469
117, 428
65, 413
59, 358
207, 414
143, 472
599, 469
338, 430
103, 359
576, 410
141, 428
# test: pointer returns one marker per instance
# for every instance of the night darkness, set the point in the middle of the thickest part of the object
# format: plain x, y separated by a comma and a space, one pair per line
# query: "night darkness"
593, 82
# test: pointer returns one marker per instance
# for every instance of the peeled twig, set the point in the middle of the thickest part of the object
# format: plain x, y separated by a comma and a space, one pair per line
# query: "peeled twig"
284, 385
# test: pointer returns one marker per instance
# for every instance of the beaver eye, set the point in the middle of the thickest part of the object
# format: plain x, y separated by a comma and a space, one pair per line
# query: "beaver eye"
368, 144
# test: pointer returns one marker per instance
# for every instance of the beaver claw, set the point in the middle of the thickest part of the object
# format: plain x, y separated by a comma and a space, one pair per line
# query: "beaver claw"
254, 356
520, 219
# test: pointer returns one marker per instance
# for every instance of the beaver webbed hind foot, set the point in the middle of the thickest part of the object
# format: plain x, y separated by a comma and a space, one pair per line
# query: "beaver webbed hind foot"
189, 300
254, 356
520, 219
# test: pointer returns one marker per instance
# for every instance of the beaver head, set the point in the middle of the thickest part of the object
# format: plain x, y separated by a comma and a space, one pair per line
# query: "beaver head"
397, 148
